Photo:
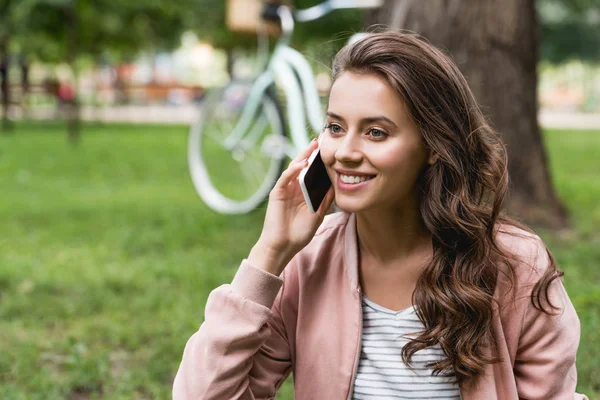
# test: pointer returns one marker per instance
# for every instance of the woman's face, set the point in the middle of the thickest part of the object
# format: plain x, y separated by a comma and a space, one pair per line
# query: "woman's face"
373, 151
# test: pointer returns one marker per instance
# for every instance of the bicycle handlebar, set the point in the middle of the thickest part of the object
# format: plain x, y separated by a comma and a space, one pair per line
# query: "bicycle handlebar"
356, 3
270, 11
286, 17
319, 10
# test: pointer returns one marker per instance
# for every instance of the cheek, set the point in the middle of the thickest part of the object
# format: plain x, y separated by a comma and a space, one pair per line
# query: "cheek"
398, 159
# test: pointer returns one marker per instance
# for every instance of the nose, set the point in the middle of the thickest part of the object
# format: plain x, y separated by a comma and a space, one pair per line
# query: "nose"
349, 150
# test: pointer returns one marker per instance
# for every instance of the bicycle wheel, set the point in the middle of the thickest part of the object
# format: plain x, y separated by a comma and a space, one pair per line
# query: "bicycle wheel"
235, 179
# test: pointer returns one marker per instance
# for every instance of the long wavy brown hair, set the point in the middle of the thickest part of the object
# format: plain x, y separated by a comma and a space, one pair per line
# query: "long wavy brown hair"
461, 199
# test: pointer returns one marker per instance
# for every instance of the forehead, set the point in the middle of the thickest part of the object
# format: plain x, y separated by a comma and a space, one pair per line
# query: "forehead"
357, 95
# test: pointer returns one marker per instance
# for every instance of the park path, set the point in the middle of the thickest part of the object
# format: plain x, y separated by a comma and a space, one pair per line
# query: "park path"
185, 114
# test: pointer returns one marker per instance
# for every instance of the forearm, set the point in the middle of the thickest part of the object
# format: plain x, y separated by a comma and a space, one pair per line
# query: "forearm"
217, 359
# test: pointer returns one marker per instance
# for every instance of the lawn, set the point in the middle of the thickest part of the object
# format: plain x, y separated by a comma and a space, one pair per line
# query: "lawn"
107, 257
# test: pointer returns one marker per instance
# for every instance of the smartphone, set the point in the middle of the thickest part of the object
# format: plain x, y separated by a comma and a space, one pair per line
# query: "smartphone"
314, 181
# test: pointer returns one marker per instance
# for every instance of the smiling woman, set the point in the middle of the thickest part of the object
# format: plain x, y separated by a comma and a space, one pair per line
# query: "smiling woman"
420, 287
369, 134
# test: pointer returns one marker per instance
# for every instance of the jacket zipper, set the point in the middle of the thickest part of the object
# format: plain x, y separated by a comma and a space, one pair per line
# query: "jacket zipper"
359, 345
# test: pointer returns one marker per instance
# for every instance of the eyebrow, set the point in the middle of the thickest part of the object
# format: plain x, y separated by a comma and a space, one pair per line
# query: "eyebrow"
365, 120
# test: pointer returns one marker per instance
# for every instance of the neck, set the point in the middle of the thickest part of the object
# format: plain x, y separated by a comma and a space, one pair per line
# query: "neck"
386, 236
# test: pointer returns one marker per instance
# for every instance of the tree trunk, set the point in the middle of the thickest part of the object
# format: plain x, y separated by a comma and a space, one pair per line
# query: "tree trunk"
495, 46
229, 62
24, 65
4, 85
73, 117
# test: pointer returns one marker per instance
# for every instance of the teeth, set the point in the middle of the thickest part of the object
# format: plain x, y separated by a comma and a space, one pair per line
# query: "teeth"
354, 179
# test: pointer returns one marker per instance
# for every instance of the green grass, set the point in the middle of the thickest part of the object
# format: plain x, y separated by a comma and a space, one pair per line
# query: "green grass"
574, 162
107, 257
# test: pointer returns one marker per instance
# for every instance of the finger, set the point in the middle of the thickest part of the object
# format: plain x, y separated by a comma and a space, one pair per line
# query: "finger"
326, 203
307, 151
290, 173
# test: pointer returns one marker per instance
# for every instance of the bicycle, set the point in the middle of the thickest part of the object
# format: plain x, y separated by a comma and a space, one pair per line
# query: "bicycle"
244, 120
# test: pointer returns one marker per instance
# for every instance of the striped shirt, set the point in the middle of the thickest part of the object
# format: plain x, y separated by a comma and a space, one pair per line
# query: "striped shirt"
381, 372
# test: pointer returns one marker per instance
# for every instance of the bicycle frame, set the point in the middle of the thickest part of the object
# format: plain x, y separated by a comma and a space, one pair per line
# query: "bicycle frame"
292, 71
289, 68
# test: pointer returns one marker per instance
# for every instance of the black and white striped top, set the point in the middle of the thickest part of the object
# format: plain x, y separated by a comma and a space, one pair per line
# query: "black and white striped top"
381, 372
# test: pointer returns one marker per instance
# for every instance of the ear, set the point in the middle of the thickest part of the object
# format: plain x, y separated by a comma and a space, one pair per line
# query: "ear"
433, 157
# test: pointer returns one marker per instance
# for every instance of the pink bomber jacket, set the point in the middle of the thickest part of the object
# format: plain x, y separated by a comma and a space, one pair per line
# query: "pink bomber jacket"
261, 327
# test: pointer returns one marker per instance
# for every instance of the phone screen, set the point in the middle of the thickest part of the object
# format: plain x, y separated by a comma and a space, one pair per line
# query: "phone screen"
317, 181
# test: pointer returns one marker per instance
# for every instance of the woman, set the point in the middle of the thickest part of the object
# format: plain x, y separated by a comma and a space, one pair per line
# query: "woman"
420, 288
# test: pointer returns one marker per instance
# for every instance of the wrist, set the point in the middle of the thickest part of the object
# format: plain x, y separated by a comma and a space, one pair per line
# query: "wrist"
268, 259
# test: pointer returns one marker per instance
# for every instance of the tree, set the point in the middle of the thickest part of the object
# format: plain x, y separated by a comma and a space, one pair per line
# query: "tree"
4, 87
68, 30
9, 22
495, 44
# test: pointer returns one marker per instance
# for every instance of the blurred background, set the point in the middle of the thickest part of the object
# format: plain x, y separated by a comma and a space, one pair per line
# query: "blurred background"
107, 254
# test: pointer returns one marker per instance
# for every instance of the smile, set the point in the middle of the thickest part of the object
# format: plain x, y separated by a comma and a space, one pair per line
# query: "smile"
355, 179
352, 183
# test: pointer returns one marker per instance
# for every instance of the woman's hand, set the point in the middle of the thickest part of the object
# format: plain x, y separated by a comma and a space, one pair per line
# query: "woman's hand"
289, 224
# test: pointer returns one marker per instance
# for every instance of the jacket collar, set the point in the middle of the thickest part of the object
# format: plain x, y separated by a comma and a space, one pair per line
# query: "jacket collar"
351, 251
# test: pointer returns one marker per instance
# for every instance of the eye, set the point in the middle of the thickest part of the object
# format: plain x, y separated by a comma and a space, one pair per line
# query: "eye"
377, 133
333, 128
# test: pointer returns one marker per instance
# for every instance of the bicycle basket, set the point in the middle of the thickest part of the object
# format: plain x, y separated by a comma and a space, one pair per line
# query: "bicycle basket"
244, 16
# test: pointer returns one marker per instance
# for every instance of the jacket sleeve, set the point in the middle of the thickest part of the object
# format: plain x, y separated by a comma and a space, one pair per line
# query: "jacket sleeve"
545, 360
241, 350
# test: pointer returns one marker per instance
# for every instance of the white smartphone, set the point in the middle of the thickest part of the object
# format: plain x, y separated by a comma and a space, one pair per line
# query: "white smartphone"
314, 181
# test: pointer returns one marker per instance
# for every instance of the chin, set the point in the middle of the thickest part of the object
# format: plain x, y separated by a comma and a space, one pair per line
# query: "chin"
350, 205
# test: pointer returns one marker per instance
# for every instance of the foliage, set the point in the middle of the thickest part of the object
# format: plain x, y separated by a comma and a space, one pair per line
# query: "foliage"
7, 17
97, 27
570, 30
107, 257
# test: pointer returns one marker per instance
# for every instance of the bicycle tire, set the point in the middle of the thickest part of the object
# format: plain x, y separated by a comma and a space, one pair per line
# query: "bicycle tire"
204, 179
